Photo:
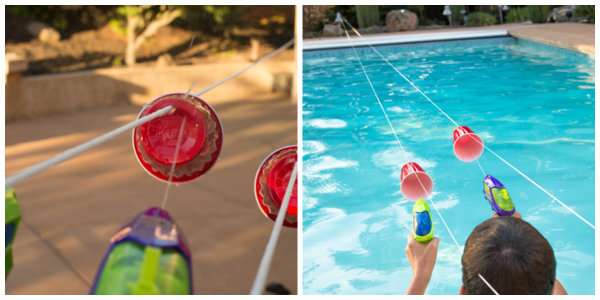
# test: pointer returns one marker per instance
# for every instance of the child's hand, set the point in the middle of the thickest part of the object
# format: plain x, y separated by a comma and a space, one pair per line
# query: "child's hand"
558, 288
422, 258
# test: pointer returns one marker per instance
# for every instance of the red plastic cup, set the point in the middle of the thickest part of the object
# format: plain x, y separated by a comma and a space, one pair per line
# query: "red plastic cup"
271, 181
155, 142
414, 182
468, 146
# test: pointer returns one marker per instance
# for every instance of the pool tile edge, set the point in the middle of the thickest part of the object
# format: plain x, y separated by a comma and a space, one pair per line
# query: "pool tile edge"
333, 43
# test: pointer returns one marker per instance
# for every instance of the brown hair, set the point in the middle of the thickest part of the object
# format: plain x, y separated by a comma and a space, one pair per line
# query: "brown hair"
511, 255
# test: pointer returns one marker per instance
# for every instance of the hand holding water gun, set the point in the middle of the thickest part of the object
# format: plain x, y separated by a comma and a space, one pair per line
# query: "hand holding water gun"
421, 248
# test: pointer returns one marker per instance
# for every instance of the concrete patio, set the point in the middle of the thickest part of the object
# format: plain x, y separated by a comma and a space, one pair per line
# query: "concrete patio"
71, 211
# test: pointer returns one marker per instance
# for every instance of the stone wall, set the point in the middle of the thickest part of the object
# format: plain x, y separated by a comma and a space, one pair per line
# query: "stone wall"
34, 96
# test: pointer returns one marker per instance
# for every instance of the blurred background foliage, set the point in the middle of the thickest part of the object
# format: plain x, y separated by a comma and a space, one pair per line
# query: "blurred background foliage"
481, 18
67, 19
81, 37
533, 13
208, 19
431, 15
586, 11
367, 15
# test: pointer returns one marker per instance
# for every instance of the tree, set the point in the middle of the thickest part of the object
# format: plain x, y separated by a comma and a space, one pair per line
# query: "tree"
142, 22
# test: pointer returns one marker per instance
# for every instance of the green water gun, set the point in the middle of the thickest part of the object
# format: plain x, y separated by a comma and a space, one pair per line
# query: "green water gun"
12, 214
422, 223
147, 256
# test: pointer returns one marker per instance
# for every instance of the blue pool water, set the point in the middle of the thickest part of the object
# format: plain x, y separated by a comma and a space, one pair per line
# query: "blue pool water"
533, 104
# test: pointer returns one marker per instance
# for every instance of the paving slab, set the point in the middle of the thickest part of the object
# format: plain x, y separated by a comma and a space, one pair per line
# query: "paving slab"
574, 36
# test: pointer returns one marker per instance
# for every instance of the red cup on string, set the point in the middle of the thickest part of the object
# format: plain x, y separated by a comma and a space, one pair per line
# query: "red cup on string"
155, 142
271, 181
468, 146
414, 182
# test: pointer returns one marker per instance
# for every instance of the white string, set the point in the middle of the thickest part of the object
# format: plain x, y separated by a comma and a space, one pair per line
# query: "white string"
459, 248
265, 262
387, 118
177, 146
396, 135
488, 284
542, 189
380, 106
446, 225
405, 78
72, 152
481, 167
248, 67
584, 220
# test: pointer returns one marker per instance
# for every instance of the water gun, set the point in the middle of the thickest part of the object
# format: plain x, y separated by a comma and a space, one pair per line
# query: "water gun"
422, 224
12, 215
148, 256
497, 195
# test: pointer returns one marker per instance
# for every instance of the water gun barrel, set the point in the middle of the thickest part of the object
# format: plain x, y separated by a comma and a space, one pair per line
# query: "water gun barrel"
148, 256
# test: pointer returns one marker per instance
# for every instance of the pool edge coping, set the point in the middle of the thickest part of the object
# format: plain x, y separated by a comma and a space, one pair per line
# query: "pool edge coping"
376, 40
336, 43
554, 43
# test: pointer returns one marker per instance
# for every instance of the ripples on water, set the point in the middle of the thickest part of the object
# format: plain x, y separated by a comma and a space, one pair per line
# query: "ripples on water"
531, 103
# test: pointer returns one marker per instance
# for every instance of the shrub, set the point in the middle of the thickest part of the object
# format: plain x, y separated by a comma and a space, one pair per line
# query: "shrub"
585, 11
538, 13
67, 19
533, 13
457, 17
367, 15
517, 15
481, 19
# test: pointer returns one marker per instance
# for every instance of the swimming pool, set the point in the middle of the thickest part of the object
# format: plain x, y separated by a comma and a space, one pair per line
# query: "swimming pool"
531, 103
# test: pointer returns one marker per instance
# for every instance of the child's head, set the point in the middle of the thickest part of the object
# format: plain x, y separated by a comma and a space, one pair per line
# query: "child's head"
511, 255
